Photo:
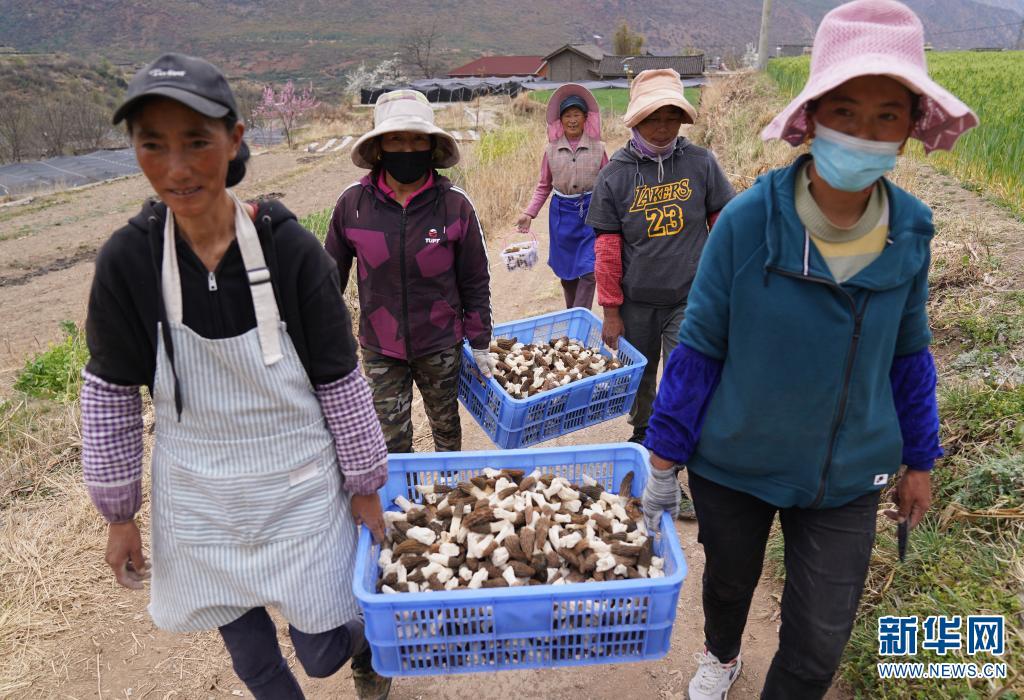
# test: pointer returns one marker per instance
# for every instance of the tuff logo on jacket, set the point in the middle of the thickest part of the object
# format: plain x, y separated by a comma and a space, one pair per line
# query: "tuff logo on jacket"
432, 236
660, 206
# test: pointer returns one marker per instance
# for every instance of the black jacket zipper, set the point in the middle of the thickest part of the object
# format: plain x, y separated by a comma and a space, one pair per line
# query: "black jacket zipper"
405, 288
851, 355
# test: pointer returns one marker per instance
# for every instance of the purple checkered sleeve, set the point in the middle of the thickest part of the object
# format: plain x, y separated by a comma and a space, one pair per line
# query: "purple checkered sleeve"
112, 446
358, 439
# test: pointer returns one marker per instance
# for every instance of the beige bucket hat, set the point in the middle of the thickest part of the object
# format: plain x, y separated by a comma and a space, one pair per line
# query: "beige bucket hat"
653, 89
404, 110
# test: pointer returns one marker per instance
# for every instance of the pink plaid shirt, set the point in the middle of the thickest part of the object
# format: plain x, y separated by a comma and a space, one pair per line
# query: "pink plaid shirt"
112, 440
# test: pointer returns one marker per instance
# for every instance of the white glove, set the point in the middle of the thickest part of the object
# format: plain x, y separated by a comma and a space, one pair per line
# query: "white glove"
661, 493
484, 362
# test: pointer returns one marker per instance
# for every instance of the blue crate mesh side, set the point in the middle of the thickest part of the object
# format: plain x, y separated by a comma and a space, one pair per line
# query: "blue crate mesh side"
585, 613
512, 423
536, 626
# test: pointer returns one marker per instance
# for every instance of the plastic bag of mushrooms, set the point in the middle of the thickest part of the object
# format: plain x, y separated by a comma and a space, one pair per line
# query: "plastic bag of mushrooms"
504, 528
525, 370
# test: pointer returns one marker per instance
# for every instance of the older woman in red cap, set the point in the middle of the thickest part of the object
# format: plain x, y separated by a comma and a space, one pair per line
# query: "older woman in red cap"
803, 379
572, 159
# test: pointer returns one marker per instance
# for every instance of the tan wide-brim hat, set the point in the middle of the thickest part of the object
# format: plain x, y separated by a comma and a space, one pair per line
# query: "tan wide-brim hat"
404, 110
652, 90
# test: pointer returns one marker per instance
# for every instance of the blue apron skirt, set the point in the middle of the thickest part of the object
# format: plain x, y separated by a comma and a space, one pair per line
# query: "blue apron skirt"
571, 250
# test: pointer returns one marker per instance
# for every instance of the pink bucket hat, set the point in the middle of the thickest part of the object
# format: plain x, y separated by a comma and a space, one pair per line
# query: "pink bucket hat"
404, 110
652, 89
592, 125
875, 37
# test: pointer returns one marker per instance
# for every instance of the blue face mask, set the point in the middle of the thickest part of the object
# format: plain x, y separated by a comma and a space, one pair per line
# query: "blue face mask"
848, 163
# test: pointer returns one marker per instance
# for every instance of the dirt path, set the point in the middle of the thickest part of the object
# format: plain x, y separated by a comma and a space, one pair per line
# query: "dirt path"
46, 253
110, 649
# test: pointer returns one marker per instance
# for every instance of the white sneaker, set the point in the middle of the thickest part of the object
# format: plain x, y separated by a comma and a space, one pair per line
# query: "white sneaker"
713, 678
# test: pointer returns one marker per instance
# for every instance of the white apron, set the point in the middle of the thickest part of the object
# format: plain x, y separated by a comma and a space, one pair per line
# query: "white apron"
248, 508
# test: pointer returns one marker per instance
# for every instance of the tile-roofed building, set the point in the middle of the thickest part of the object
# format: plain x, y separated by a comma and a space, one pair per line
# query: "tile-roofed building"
500, 67
612, 67
573, 62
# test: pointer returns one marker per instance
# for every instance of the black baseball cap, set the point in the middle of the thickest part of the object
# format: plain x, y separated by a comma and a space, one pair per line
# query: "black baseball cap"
192, 81
573, 101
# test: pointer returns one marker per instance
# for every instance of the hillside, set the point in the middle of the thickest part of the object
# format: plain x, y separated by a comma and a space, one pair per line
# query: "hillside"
1015, 5
47, 74
319, 40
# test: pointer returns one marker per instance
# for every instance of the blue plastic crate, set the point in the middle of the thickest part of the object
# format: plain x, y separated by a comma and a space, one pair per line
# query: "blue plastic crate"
512, 423
463, 631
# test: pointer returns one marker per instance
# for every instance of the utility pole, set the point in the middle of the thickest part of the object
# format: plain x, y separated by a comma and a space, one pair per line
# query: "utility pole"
762, 43
1020, 36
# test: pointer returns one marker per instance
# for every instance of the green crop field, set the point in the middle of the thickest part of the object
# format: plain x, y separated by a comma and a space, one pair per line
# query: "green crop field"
989, 158
614, 100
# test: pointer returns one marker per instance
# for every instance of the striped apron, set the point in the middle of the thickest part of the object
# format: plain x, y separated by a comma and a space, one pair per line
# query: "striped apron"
248, 506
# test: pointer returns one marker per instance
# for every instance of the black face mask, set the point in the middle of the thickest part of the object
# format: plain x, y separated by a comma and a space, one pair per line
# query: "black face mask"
406, 166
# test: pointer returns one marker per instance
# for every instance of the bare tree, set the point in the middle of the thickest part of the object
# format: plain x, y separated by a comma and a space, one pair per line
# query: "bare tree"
249, 96
90, 123
421, 47
15, 130
54, 124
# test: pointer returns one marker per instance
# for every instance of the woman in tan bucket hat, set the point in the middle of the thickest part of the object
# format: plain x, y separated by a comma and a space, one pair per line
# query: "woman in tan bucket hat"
423, 280
652, 208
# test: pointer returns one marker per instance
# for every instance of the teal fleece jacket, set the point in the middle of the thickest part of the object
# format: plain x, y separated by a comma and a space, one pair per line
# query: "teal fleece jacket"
804, 414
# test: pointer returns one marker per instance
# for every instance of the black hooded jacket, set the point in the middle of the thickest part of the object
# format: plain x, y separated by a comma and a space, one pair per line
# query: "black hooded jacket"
125, 304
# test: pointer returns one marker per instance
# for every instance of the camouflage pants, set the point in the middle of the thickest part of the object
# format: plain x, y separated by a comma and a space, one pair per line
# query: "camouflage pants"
436, 376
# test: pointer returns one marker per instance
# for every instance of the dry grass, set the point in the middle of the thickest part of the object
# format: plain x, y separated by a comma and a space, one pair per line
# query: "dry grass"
56, 587
751, 102
37, 438
500, 172
60, 608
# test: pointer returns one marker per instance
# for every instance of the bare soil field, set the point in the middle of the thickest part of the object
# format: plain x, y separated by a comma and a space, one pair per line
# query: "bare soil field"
96, 639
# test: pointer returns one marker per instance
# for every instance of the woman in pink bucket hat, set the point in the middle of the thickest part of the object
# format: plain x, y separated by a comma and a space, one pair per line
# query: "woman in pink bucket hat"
803, 379
572, 159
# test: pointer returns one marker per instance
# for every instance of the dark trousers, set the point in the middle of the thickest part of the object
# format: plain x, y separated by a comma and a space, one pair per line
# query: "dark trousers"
580, 291
654, 331
256, 657
827, 553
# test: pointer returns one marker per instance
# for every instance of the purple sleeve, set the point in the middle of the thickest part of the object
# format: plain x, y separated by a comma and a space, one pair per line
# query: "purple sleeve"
474, 281
337, 246
358, 439
112, 446
540, 194
689, 380
913, 392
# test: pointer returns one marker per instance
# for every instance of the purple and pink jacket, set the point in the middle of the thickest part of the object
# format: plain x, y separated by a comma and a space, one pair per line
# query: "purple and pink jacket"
423, 277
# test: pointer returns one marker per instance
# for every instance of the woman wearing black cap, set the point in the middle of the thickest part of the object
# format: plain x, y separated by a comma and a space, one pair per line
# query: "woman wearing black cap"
267, 451
572, 159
